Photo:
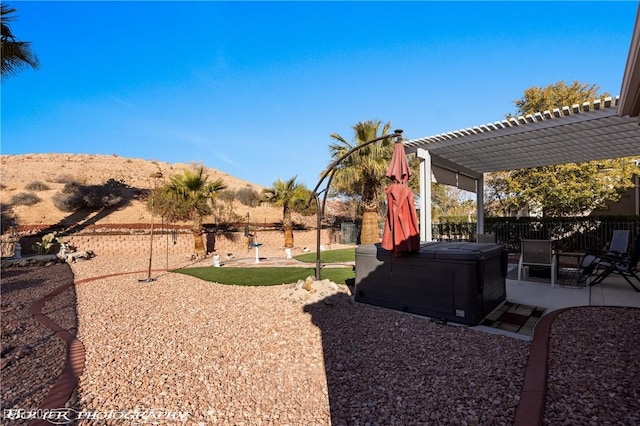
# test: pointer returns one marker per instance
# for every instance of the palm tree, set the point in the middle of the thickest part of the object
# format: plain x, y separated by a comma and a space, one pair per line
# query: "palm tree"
363, 172
15, 54
187, 197
285, 195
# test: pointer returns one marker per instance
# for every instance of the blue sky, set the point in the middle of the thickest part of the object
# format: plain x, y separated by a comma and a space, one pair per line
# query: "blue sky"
255, 88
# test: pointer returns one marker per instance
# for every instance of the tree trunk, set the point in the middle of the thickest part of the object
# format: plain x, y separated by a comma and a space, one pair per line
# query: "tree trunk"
288, 227
199, 244
370, 233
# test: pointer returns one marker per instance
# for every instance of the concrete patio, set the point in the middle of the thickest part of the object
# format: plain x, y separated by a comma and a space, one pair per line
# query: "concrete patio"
614, 291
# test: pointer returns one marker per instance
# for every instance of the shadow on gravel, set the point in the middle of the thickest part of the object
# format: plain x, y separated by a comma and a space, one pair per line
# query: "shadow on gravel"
367, 382
388, 367
33, 356
20, 287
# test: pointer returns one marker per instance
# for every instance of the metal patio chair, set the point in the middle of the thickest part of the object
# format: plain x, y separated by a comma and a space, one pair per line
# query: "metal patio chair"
592, 269
619, 243
624, 265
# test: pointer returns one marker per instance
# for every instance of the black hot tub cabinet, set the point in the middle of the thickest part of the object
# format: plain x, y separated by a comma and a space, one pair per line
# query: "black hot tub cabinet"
456, 281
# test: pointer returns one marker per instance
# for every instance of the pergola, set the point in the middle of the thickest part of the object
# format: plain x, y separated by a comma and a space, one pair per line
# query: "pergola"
607, 128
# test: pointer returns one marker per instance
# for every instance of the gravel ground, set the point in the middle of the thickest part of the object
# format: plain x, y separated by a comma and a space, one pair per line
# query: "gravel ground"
594, 367
32, 356
249, 355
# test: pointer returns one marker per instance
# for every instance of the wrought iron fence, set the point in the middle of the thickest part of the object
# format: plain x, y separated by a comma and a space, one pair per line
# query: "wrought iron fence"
569, 233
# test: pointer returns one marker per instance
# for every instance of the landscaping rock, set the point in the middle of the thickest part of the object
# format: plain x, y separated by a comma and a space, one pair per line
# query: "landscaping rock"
312, 291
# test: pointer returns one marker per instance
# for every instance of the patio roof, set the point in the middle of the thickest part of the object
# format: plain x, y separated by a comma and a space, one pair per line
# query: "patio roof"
571, 134
565, 135
630, 91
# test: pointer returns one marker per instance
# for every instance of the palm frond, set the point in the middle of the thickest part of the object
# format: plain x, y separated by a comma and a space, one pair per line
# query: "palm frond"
16, 55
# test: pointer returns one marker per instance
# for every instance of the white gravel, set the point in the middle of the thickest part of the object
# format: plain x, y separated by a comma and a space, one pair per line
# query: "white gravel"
239, 355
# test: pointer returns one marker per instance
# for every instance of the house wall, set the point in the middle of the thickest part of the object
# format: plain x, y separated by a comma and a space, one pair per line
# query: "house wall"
629, 204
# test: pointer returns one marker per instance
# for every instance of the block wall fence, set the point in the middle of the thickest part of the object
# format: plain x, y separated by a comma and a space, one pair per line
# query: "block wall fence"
179, 246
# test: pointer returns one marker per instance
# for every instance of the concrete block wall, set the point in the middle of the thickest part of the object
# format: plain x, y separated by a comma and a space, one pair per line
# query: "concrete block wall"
272, 242
127, 244
182, 244
172, 250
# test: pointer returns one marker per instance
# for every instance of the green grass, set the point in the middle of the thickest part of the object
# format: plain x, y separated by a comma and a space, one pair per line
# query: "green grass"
267, 275
330, 256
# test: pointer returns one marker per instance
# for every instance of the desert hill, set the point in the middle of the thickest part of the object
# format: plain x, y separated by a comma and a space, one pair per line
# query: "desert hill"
18, 171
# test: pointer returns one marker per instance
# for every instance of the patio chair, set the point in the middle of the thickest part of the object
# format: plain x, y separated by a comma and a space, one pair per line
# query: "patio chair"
626, 266
587, 271
537, 253
619, 243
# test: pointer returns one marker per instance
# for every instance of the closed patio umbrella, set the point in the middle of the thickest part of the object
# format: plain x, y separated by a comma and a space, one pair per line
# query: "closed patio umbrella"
401, 233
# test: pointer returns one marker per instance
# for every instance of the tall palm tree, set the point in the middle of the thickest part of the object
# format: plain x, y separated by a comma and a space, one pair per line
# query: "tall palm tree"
16, 54
187, 197
285, 195
363, 172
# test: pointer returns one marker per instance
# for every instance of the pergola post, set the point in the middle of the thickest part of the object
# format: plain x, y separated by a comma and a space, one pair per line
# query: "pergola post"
425, 194
480, 204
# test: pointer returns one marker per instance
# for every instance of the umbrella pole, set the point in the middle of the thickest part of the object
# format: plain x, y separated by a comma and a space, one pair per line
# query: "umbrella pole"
393, 238
329, 171
318, 225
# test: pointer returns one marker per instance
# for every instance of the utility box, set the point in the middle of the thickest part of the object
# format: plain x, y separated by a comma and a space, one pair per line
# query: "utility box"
348, 233
455, 281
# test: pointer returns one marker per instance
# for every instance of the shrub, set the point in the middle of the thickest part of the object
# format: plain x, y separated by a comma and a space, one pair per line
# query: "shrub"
43, 247
25, 199
67, 201
228, 195
248, 196
36, 185
71, 187
75, 196
64, 179
116, 185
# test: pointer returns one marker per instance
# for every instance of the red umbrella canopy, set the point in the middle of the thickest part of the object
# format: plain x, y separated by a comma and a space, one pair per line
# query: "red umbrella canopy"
398, 170
401, 233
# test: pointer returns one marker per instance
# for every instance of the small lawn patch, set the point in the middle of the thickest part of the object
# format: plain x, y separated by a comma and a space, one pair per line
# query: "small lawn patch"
330, 256
266, 275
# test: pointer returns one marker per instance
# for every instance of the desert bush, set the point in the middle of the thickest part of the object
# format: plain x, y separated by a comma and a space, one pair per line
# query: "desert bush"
228, 195
48, 241
248, 196
36, 185
71, 187
114, 185
69, 199
75, 196
25, 199
303, 207
64, 179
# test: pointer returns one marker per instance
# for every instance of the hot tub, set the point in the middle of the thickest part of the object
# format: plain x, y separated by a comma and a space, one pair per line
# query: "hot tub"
454, 281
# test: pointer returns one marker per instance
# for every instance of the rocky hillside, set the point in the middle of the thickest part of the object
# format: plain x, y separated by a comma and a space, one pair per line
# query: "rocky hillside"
18, 171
